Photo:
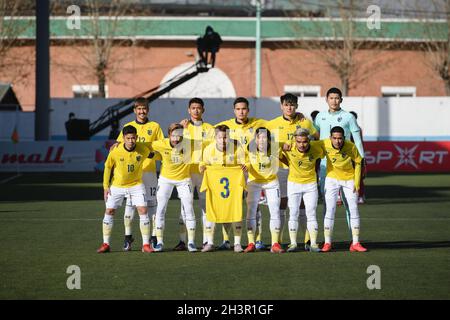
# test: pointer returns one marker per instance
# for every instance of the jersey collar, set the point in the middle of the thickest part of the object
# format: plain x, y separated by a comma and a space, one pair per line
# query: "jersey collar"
243, 123
131, 149
336, 113
297, 117
141, 123
198, 124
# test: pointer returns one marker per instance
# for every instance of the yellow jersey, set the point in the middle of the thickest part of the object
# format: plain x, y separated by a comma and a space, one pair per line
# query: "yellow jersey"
283, 129
233, 156
224, 188
344, 163
302, 166
175, 160
243, 132
202, 135
127, 166
262, 167
146, 132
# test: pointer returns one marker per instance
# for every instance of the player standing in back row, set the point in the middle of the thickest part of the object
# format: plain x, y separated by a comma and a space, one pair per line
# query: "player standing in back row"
200, 132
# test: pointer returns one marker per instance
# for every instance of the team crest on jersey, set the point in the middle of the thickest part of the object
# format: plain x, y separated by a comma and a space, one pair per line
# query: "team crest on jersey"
138, 158
149, 131
339, 119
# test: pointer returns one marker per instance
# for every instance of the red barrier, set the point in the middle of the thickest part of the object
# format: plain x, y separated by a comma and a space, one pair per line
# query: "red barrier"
411, 156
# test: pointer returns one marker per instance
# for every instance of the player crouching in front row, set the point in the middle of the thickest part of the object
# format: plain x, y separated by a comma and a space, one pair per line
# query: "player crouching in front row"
126, 160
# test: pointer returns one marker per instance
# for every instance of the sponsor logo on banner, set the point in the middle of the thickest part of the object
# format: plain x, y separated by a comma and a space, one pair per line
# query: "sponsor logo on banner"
48, 156
388, 156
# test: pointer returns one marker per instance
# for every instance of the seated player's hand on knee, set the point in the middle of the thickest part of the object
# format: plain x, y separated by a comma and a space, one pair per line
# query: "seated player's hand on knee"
110, 211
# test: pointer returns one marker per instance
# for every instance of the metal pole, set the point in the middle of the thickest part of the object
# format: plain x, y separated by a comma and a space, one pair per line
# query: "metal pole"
258, 49
42, 111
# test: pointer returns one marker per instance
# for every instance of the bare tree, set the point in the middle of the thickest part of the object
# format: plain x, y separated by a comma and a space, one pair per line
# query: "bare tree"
12, 67
96, 51
437, 44
341, 48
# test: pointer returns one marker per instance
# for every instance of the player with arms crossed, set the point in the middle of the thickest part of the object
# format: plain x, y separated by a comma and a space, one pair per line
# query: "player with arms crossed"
262, 163
147, 131
343, 172
224, 152
302, 184
127, 161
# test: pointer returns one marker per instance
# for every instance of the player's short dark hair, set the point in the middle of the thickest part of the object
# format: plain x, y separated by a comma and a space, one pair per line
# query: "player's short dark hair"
240, 100
141, 102
289, 98
314, 114
129, 129
174, 126
221, 128
334, 90
337, 129
196, 100
354, 114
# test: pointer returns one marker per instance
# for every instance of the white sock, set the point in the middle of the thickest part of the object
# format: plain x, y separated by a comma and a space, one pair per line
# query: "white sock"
128, 220
144, 224
108, 222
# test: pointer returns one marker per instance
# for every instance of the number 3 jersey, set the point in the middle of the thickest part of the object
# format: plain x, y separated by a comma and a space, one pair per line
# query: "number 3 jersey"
224, 188
127, 166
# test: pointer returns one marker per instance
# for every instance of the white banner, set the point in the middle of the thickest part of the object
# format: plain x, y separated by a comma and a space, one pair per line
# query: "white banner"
48, 156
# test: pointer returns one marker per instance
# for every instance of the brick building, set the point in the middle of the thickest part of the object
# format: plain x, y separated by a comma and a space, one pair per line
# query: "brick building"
390, 61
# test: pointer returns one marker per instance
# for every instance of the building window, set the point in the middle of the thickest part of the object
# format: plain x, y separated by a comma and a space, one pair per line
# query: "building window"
87, 91
303, 91
398, 92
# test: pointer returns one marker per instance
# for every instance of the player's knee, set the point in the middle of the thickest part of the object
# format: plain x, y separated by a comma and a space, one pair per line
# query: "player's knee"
142, 210
110, 211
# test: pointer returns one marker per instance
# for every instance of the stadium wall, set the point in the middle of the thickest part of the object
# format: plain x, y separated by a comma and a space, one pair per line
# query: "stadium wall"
382, 119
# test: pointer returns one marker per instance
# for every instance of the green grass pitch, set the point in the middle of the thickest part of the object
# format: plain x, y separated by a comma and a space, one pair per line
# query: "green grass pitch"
51, 221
